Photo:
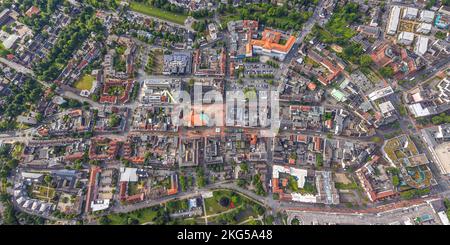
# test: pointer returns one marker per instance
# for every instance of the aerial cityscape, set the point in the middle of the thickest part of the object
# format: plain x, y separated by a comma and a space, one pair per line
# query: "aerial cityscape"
224, 112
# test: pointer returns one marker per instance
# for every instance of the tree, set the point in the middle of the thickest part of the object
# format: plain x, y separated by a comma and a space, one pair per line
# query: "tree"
9, 215
114, 120
440, 119
276, 196
94, 162
241, 183
12, 164
319, 160
447, 203
4, 150
235, 199
293, 185
410, 194
132, 221
48, 179
353, 51
258, 209
259, 189
201, 180
436, 120
365, 60
183, 183
184, 205
244, 167
199, 26
376, 139
393, 170
395, 180
440, 35
387, 72
295, 221
269, 220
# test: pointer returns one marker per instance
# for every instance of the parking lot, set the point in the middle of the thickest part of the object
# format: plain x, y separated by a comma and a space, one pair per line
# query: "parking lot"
258, 69
247, 83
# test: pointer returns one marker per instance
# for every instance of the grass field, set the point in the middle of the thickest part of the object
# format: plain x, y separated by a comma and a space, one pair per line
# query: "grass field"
3, 186
155, 62
213, 207
17, 151
372, 76
158, 13
143, 216
85, 83
44, 192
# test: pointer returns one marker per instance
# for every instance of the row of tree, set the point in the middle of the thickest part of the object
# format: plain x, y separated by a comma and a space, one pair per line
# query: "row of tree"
280, 17
19, 101
70, 39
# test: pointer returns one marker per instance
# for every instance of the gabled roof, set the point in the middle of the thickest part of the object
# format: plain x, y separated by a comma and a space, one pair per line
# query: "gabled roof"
270, 41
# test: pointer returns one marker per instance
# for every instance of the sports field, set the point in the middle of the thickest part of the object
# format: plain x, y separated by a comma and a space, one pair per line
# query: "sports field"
85, 83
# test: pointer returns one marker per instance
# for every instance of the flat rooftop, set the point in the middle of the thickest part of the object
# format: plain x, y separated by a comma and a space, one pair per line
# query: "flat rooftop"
443, 154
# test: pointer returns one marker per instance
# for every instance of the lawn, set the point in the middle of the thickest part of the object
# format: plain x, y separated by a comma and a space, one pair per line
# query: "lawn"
3, 185
244, 213
155, 62
224, 19
256, 10
44, 192
343, 186
212, 206
85, 83
143, 216
177, 206
372, 76
133, 189
17, 152
158, 13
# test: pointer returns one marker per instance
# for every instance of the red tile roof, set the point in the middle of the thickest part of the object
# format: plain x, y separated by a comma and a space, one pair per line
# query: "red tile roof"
74, 156
312, 86
92, 186
302, 138
32, 11
270, 41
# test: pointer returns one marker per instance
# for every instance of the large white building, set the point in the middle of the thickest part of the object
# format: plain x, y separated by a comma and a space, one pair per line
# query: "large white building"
426, 16
410, 13
421, 45
378, 94
394, 19
405, 38
418, 110
299, 174
10, 41
424, 28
